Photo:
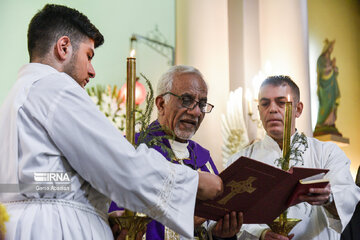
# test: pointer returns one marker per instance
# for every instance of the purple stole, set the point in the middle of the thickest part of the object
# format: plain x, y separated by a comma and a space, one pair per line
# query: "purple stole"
199, 156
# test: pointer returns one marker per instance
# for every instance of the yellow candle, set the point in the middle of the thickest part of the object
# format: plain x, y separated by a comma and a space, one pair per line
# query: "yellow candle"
130, 105
130, 97
287, 134
286, 153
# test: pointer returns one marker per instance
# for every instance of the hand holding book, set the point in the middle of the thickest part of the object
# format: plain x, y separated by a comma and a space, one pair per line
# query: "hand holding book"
228, 226
315, 190
318, 195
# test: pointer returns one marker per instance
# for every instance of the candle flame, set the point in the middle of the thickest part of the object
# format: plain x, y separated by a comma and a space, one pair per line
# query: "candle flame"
288, 97
132, 53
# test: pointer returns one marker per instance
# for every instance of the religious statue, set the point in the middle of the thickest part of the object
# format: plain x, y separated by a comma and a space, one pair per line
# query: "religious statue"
328, 91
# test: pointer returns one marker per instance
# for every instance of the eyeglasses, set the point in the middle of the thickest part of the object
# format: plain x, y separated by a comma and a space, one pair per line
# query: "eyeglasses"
190, 103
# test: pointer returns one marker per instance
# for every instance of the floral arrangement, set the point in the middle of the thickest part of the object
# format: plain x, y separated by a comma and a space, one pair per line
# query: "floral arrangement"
298, 147
111, 102
4, 217
148, 130
233, 129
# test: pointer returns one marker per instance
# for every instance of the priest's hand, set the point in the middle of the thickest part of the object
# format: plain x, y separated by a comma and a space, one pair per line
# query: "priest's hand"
228, 226
322, 197
198, 221
121, 234
317, 196
210, 186
270, 235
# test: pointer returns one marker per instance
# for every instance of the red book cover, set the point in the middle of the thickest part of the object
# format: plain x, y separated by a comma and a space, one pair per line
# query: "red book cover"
259, 190
303, 187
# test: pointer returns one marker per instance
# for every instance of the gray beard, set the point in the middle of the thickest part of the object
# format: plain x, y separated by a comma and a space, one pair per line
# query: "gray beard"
183, 135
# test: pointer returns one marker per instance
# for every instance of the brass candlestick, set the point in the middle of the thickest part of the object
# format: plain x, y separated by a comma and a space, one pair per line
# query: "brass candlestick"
285, 227
133, 222
282, 225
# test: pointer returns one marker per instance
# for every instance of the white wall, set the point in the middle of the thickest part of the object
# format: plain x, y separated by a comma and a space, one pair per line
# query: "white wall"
230, 41
202, 41
284, 43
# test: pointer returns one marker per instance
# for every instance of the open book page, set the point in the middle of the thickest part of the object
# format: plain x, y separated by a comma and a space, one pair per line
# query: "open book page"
314, 179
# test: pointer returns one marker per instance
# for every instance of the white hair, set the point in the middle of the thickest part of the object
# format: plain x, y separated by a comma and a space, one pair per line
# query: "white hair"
166, 80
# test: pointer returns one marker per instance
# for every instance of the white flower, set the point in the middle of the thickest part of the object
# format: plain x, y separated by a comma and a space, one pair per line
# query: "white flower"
108, 104
95, 99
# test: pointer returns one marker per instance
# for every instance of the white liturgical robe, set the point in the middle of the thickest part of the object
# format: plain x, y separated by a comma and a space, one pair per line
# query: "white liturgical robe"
49, 124
317, 223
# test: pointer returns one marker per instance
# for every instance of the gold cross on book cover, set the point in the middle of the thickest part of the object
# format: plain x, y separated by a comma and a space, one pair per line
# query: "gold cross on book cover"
262, 192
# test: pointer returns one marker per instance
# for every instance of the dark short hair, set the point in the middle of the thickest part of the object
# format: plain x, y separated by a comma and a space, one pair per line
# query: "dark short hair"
55, 21
281, 80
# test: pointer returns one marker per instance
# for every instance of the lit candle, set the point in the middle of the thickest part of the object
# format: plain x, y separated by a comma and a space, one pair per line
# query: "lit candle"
287, 134
130, 97
286, 152
130, 105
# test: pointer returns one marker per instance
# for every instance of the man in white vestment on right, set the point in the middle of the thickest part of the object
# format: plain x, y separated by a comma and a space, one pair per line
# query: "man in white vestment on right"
324, 212
50, 127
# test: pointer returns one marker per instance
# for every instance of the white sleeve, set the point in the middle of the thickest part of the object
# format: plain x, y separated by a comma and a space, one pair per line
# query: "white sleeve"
138, 179
234, 157
346, 193
247, 231
251, 231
